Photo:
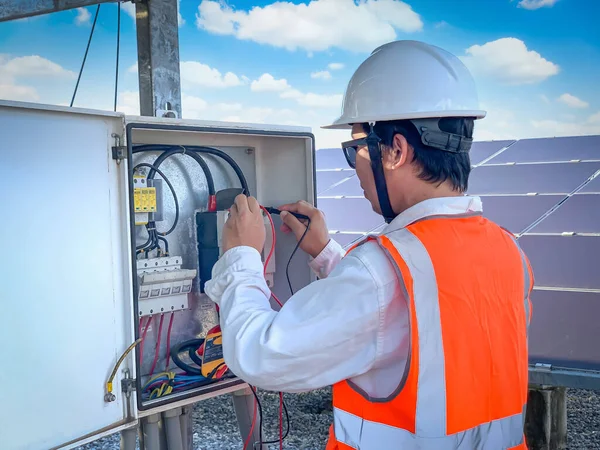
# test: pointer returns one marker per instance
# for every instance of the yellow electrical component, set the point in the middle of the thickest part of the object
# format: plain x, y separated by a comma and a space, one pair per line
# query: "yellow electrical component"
144, 199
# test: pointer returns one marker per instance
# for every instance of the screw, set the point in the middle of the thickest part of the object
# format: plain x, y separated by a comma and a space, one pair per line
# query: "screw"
162, 309
110, 398
172, 308
249, 151
182, 306
140, 313
151, 311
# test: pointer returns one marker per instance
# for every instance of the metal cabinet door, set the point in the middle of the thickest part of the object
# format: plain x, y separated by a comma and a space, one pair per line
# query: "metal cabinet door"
66, 276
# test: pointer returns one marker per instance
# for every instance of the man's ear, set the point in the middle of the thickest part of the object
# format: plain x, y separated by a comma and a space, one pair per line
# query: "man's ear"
396, 155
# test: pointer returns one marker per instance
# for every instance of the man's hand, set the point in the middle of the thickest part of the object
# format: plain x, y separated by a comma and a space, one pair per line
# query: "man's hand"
317, 236
245, 226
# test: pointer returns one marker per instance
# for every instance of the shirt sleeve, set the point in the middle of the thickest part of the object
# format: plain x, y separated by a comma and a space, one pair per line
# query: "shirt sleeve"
325, 333
326, 261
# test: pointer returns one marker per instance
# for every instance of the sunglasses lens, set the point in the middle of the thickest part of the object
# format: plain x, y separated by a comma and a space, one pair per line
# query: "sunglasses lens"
350, 153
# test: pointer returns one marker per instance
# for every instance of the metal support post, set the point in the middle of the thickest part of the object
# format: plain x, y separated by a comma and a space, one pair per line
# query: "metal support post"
546, 419
129, 439
158, 58
187, 432
173, 429
243, 403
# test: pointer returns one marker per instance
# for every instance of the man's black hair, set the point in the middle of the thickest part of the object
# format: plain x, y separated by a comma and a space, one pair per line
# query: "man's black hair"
436, 166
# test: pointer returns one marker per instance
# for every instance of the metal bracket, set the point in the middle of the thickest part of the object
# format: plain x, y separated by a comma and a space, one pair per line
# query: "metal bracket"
119, 153
127, 385
543, 367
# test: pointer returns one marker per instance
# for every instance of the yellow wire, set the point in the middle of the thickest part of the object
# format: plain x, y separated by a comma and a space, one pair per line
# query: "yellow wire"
109, 383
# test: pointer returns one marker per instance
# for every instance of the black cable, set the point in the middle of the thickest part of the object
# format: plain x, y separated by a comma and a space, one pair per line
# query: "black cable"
160, 238
118, 50
201, 149
210, 182
287, 429
85, 55
260, 418
287, 268
172, 191
178, 348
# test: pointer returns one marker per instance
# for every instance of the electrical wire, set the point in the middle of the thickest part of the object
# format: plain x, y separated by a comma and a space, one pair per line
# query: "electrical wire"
287, 268
144, 338
176, 220
85, 55
169, 340
118, 51
109, 383
201, 149
157, 351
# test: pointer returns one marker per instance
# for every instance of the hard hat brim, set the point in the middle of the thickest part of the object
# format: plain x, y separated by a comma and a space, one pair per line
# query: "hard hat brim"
345, 123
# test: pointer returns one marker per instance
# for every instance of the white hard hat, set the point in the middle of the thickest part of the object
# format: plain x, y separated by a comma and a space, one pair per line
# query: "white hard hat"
408, 80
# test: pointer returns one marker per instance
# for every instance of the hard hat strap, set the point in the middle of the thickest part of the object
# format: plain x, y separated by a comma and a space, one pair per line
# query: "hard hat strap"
373, 143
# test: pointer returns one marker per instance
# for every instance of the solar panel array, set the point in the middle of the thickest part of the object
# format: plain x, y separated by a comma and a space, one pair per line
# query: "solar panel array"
547, 192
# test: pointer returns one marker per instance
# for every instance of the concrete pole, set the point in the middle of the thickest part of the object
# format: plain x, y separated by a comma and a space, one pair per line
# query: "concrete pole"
546, 419
129, 439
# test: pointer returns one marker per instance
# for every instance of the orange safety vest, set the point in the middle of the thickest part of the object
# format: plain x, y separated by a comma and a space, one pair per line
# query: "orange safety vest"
465, 386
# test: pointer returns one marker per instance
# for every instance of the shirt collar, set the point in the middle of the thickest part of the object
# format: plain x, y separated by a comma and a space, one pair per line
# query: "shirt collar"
439, 206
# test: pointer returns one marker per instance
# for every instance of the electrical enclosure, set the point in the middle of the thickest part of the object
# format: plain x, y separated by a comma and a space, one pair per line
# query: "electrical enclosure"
77, 290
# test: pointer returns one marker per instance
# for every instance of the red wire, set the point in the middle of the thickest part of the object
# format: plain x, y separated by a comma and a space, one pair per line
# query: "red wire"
157, 351
272, 250
144, 338
169, 341
253, 423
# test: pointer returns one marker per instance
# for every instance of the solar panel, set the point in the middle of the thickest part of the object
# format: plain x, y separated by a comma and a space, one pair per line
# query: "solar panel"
515, 213
551, 149
564, 329
579, 214
563, 261
480, 151
593, 186
349, 214
331, 158
350, 187
561, 178
326, 179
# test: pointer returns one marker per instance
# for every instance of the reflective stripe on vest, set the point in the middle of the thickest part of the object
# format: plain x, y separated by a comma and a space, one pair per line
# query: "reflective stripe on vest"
418, 418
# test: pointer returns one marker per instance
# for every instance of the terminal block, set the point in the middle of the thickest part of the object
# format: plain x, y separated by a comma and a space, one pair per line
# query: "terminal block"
163, 285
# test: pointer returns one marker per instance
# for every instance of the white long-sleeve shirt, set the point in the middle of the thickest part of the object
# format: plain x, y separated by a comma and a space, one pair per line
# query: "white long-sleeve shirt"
351, 324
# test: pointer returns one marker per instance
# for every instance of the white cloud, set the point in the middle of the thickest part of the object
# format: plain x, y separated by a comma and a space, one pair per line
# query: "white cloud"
572, 101
442, 24
194, 73
32, 66
545, 99
509, 61
268, 83
9, 91
315, 26
594, 118
322, 75
558, 128
193, 107
335, 66
129, 8
536, 4
133, 68
230, 107
83, 16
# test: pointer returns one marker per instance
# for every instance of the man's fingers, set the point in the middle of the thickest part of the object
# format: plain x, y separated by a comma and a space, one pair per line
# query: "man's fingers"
253, 205
301, 207
241, 203
293, 224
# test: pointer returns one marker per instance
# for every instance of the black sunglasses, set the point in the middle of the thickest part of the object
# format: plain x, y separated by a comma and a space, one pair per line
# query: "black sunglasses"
350, 148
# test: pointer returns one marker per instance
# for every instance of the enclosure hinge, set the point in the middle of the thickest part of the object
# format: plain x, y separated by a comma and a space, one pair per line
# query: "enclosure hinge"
127, 385
543, 367
119, 152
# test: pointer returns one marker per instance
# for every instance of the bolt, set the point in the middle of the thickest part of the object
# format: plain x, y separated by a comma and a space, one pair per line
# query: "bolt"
151, 311
110, 397
172, 307
182, 306
249, 151
162, 309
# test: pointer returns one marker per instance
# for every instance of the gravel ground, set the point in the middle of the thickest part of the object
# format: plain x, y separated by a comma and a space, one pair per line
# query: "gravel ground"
310, 416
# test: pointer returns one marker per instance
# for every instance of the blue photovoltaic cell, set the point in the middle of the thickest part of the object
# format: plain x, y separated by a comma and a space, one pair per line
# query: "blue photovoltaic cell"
331, 158
564, 329
350, 187
349, 214
483, 150
563, 261
551, 149
515, 213
326, 179
560, 178
579, 214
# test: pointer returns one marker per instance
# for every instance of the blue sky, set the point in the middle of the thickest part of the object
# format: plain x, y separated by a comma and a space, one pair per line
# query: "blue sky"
536, 62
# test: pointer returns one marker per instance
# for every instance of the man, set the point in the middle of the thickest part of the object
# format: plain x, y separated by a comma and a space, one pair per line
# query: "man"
422, 330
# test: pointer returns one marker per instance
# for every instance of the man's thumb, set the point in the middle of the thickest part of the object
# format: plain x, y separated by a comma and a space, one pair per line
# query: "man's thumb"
295, 225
